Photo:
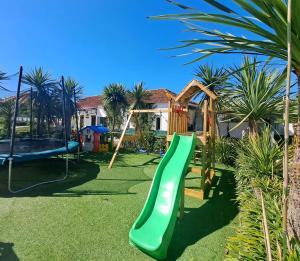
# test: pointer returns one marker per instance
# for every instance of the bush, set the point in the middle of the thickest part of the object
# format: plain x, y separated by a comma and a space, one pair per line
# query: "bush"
258, 174
226, 150
259, 156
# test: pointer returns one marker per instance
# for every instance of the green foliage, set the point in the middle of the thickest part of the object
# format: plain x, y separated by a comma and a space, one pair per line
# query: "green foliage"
215, 79
138, 96
46, 98
226, 150
254, 94
266, 21
115, 104
258, 174
7, 108
259, 156
249, 241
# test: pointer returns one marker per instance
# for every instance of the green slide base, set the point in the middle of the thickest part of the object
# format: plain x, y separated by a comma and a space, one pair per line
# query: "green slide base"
152, 231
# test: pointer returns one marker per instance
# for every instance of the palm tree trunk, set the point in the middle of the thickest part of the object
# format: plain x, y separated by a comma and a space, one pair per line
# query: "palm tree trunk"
253, 127
294, 181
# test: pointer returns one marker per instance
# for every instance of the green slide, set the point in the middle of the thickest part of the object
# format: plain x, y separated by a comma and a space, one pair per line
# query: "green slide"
153, 229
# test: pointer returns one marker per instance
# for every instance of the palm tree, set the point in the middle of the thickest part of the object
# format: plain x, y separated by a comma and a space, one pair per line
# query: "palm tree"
254, 95
138, 97
43, 91
267, 25
7, 108
215, 79
71, 86
115, 104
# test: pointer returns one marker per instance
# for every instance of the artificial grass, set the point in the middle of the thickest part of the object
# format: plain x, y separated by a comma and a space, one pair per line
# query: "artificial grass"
88, 216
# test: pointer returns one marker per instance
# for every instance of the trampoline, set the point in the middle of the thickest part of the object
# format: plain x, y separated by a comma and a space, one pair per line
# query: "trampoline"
47, 132
32, 149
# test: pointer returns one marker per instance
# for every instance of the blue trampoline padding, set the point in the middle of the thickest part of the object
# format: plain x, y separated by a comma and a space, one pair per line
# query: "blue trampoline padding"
19, 157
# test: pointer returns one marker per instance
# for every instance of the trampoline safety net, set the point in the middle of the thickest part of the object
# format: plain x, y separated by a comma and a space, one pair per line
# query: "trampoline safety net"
37, 116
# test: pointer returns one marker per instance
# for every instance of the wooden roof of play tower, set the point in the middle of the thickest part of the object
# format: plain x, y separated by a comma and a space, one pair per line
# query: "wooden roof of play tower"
191, 89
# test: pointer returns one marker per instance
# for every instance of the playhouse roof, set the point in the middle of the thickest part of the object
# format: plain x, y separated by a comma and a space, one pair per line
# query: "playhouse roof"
97, 129
191, 89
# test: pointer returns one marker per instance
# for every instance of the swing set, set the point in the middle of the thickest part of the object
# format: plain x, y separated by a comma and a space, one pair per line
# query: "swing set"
178, 121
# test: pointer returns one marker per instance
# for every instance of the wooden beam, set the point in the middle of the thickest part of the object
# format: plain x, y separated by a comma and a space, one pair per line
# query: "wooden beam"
120, 142
149, 111
200, 86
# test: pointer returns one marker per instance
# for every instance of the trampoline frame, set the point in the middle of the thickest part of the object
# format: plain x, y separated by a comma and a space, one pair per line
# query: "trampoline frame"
12, 140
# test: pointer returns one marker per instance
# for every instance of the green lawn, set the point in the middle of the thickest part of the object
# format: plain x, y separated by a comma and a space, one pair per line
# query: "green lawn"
88, 217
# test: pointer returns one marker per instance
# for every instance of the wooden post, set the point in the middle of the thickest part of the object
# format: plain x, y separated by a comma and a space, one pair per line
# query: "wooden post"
120, 142
204, 150
213, 135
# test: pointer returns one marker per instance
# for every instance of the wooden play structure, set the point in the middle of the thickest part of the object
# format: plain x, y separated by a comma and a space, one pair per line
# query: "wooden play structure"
178, 119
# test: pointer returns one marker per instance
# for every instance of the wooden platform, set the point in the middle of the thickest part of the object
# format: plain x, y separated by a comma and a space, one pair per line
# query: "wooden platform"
201, 137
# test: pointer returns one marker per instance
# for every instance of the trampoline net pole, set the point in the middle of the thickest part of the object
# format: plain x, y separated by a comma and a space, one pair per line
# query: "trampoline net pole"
76, 122
13, 133
64, 111
10, 160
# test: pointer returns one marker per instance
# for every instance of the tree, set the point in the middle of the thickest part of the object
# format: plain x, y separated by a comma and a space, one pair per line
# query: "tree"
255, 94
268, 31
115, 104
70, 86
43, 90
7, 108
138, 97
215, 79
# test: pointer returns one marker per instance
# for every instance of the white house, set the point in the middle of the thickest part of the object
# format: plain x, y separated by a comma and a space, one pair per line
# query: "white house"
91, 111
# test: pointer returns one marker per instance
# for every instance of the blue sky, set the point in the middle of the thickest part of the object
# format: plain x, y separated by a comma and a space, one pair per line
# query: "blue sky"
98, 42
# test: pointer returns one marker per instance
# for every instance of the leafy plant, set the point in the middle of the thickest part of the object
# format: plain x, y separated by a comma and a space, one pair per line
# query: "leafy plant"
260, 156
226, 150
264, 31
255, 94
7, 108
115, 104
45, 97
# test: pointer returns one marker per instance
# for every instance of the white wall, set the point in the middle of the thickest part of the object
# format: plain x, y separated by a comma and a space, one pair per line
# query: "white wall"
88, 113
235, 133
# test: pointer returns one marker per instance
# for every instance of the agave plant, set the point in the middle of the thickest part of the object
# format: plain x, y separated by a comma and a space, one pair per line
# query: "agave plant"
267, 24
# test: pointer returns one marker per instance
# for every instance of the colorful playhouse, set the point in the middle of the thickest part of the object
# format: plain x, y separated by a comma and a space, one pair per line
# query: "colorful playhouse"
94, 138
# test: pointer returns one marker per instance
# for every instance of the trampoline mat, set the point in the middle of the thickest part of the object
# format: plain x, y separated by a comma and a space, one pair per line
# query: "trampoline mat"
31, 145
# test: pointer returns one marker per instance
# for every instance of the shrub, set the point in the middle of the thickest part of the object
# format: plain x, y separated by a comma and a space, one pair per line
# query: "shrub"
259, 164
259, 156
226, 150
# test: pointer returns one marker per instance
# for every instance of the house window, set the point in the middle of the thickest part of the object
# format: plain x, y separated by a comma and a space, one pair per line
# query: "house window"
157, 123
93, 120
